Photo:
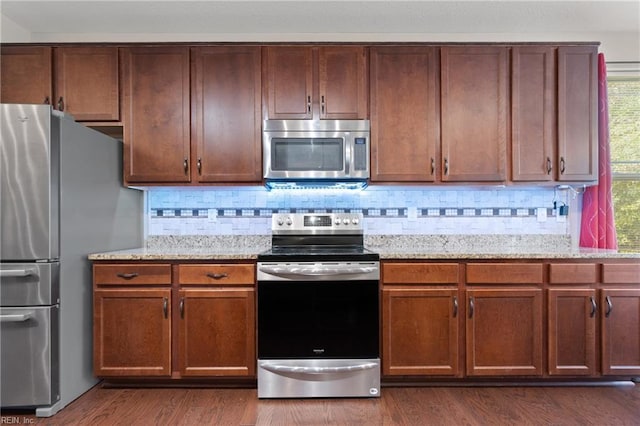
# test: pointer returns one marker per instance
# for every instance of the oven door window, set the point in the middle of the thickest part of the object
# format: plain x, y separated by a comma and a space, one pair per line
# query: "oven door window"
307, 154
318, 319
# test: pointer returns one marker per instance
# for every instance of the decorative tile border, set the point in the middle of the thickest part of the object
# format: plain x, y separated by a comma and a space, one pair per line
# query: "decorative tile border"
388, 212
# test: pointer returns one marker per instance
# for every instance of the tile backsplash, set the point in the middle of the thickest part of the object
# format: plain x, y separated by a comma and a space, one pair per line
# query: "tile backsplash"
401, 210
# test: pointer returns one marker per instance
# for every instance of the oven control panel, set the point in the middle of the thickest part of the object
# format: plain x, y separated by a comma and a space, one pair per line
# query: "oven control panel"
316, 222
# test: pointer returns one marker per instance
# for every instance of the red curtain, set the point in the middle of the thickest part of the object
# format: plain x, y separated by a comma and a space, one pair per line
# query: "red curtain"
598, 228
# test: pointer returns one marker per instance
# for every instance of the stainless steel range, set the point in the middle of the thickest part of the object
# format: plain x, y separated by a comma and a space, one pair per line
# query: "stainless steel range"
318, 309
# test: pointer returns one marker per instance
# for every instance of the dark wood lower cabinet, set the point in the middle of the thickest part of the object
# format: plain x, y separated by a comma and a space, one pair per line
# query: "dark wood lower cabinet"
132, 332
420, 331
504, 332
572, 317
217, 332
620, 318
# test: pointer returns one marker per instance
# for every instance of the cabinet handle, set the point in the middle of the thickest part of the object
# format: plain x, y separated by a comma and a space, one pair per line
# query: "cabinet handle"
607, 312
472, 306
199, 166
128, 276
165, 307
455, 306
60, 104
446, 166
593, 306
549, 168
322, 103
182, 307
561, 165
309, 104
433, 166
185, 166
47, 101
217, 276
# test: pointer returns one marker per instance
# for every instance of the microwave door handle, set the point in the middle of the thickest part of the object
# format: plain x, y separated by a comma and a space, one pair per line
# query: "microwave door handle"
347, 155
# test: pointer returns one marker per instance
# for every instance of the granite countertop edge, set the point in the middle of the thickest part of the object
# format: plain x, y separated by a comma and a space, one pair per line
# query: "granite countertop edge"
391, 254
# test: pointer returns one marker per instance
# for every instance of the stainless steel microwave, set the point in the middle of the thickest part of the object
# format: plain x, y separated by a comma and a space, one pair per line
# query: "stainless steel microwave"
316, 149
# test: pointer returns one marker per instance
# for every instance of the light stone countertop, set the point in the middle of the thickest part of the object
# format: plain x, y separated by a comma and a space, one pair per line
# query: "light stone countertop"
243, 247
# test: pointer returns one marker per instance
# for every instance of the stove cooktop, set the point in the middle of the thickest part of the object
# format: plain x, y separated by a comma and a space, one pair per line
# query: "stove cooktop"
319, 253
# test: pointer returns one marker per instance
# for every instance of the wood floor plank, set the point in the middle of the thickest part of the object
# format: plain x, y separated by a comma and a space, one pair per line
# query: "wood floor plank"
397, 406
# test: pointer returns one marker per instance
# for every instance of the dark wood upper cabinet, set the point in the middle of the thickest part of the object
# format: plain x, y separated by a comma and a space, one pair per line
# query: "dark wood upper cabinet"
533, 113
342, 82
578, 113
405, 121
304, 82
156, 114
87, 83
82, 81
474, 108
226, 114
25, 75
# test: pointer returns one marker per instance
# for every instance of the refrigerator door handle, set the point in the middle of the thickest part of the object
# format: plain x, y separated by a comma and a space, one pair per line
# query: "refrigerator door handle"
17, 272
16, 317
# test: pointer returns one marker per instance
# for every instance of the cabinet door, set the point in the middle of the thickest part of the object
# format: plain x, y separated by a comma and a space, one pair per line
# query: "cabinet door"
132, 332
504, 332
577, 113
420, 331
217, 332
87, 82
289, 82
533, 113
475, 93
25, 75
226, 96
156, 114
620, 331
572, 332
342, 82
405, 128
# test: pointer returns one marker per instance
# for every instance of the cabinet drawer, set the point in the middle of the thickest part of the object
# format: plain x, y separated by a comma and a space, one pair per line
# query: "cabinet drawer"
132, 274
420, 273
576, 273
504, 273
219, 274
622, 273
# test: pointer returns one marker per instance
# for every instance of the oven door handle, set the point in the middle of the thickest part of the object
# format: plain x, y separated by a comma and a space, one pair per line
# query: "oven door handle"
280, 368
316, 271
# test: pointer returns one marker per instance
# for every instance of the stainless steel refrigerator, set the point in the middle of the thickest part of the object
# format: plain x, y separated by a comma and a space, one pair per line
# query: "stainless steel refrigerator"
61, 198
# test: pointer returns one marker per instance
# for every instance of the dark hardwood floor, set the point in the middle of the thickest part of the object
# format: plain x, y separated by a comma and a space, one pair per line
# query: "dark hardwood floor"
603, 405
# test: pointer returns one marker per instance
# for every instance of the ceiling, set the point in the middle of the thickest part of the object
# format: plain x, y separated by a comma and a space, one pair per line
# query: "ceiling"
253, 20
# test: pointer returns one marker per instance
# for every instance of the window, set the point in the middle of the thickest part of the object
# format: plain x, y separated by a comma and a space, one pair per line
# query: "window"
624, 131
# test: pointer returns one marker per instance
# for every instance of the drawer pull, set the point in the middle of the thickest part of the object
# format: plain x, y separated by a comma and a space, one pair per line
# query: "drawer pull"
182, 307
593, 307
165, 307
607, 312
217, 276
128, 276
472, 306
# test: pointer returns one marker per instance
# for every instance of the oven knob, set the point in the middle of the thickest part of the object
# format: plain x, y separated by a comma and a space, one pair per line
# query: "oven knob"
280, 222
345, 221
355, 221
289, 222
337, 221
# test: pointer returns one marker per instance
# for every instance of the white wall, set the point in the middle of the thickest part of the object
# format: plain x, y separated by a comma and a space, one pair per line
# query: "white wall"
616, 46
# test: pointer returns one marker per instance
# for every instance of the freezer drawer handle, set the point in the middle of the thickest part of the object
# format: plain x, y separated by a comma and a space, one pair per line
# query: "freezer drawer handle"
17, 272
16, 317
279, 368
